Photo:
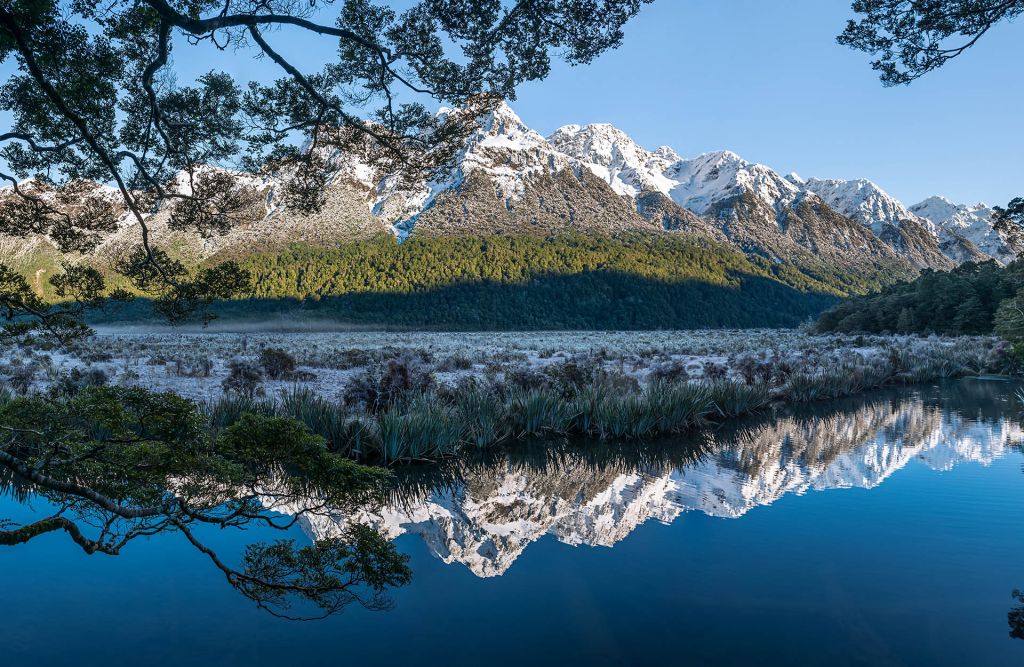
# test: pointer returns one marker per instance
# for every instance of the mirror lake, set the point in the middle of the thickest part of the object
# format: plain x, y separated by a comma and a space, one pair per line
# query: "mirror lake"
881, 529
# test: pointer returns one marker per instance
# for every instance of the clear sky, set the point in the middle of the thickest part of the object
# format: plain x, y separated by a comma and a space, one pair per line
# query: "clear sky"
768, 81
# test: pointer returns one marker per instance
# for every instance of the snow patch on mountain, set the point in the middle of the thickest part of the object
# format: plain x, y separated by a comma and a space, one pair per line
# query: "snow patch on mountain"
502, 147
616, 159
712, 177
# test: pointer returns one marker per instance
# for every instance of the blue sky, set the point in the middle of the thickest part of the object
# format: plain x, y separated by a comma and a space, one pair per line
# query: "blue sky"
768, 81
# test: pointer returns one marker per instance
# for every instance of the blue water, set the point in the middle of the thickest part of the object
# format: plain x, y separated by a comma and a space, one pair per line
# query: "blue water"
886, 530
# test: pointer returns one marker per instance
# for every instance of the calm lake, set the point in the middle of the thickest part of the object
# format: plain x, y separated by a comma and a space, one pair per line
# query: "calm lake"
882, 530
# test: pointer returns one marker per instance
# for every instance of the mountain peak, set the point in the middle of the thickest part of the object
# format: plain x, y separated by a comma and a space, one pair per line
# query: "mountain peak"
862, 200
615, 158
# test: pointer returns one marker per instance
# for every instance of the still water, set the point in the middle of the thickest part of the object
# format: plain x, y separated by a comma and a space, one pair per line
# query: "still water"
887, 529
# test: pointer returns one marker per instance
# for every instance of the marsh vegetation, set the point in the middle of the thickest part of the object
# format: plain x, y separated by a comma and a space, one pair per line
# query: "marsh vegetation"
410, 397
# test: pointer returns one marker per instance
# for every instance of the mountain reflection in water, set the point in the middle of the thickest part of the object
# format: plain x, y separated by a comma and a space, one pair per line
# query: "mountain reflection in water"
484, 513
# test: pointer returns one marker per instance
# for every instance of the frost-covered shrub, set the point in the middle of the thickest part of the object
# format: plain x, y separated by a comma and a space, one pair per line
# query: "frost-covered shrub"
749, 367
568, 377
23, 377
670, 371
77, 379
277, 364
615, 381
1005, 357
198, 368
244, 379
715, 371
456, 362
345, 359
382, 385
526, 378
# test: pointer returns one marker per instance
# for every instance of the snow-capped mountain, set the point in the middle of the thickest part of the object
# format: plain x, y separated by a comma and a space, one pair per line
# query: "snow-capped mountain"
973, 223
487, 521
888, 218
748, 204
700, 184
862, 201
509, 179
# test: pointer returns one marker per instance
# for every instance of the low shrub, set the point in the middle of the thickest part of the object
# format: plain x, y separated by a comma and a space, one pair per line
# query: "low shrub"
244, 379
670, 371
380, 386
277, 364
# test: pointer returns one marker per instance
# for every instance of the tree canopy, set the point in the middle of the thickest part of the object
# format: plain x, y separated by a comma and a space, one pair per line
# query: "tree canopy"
913, 37
94, 99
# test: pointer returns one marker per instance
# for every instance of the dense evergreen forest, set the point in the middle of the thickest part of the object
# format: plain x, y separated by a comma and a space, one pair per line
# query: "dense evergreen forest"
971, 299
526, 282
384, 265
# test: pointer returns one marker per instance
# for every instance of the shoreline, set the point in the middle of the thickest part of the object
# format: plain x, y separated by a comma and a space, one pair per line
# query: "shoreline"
383, 398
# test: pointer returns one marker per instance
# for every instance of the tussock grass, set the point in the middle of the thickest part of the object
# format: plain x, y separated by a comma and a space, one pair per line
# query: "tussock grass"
432, 425
423, 421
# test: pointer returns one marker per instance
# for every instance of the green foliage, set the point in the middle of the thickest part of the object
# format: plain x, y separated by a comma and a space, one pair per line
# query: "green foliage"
522, 282
244, 379
1009, 318
420, 263
732, 399
126, 462
92, 96
278, 364
963, 301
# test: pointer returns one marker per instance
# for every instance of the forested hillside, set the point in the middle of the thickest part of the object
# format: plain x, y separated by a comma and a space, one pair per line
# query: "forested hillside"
966, 300
383, 265
632, 281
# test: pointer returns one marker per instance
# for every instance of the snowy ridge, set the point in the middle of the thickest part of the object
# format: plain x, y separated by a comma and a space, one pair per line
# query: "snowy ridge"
616, 159
712, 177
502, 147
862, 201
488, 522
972, 222
699, 183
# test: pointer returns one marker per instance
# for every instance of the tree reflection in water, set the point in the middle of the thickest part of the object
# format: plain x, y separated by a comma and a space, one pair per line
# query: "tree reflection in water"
112, 465
1016, 617
114, 474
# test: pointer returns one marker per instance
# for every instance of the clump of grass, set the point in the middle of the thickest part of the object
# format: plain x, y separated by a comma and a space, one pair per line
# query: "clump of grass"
424, 429
325, 418
536, 412
625, 417
483, 416
732, 399
832, 383
230, 407
678, 406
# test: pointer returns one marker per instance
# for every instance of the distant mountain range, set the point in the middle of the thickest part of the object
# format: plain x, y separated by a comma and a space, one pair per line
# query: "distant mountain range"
510, 180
